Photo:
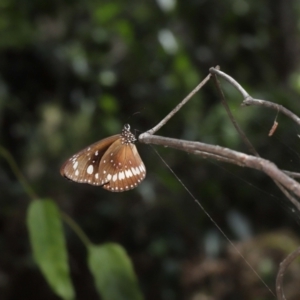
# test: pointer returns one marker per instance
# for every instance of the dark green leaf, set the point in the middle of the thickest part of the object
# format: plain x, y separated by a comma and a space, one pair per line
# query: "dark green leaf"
113, 273
48, 244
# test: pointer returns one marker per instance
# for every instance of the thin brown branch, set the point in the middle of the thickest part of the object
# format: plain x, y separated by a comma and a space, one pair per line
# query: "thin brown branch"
250, 161
215, 157
282, 268
248, 100
288, 195
292, 174
179, 106
233, 120
258, 102
216, 71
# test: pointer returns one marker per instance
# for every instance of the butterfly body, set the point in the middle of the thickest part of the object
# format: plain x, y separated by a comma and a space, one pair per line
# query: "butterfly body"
113, 163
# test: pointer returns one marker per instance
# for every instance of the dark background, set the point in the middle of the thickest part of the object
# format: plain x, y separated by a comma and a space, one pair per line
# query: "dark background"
73, 72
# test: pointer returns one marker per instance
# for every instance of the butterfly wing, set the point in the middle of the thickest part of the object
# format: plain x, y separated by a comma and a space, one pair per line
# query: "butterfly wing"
121, 167
83, 166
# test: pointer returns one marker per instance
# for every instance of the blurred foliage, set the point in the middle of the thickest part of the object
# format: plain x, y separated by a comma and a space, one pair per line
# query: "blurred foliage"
73, 72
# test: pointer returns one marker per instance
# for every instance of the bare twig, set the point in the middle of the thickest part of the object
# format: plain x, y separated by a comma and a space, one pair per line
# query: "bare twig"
230, 80
292, 174
179, 106
216, 157
250, 161
248, 100
288, 195
282, 268
232, 119
258, 102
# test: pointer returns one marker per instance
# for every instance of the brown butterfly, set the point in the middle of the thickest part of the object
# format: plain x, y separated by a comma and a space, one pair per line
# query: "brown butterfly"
113, 163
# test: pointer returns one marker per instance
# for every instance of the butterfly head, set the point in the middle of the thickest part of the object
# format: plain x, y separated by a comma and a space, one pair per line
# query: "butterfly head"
127, 136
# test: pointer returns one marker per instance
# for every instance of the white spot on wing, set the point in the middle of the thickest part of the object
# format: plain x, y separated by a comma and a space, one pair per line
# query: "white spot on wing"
133, 171
75, 165
128, 173
115, 177
90, 169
